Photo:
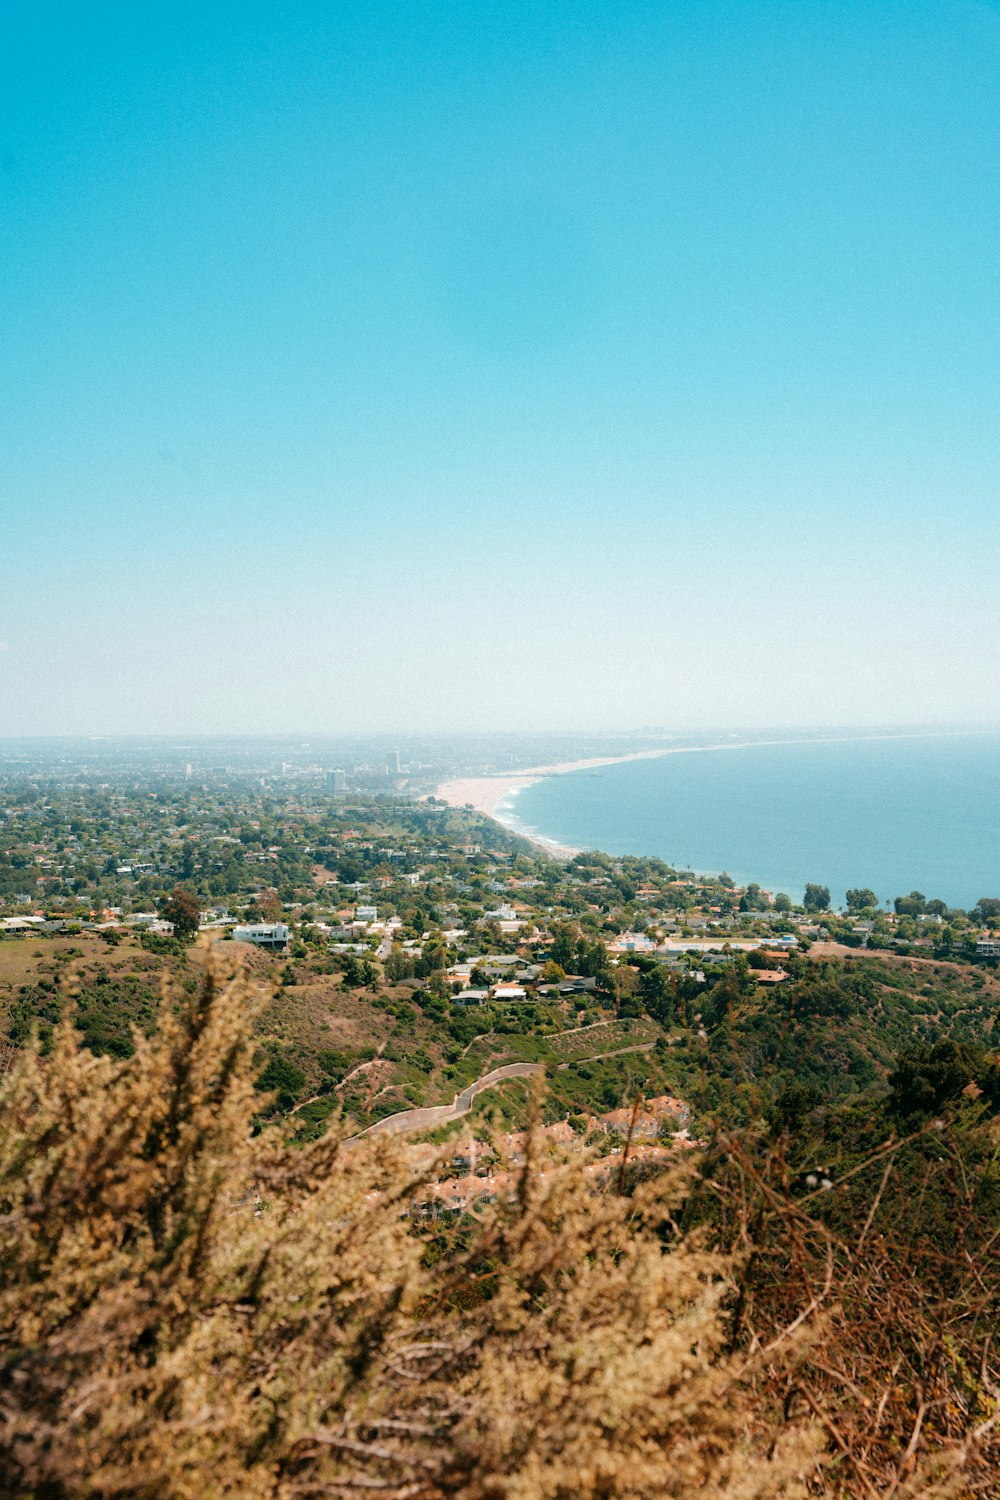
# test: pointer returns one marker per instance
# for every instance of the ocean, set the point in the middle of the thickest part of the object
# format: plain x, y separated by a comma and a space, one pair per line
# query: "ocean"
892, 814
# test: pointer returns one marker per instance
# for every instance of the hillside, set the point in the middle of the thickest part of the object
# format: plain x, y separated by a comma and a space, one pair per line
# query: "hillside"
732, 1048
191, 1305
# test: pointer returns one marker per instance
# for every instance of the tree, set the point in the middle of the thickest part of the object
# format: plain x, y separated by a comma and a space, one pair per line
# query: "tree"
658, 990
283, 1078
986, 910
782, 902
269, 905
926, 1078
791, 1107
564, 947
359, 973
859, 897
912, 905
817, 897
181, 908
753, 898
399, 964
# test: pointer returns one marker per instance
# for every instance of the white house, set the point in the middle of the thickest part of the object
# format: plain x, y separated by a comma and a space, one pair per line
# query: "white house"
503, 913
21, 924
263, 934
509, 992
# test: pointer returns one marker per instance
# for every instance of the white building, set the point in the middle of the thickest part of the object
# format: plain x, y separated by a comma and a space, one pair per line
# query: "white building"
263, 934
506, 992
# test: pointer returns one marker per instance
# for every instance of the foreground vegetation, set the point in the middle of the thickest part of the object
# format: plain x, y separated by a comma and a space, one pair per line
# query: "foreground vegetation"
189, 1306
208, 1283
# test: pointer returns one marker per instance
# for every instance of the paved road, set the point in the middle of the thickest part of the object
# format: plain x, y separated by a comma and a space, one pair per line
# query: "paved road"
433, 1115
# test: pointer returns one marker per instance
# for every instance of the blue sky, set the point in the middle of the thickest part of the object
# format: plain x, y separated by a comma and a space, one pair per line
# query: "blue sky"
474, 366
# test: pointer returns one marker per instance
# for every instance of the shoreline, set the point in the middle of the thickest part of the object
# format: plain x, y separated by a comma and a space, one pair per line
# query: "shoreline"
485, 794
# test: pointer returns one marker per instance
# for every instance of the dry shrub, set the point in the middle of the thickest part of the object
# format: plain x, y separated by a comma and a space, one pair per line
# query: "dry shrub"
897, 1265
188, 1309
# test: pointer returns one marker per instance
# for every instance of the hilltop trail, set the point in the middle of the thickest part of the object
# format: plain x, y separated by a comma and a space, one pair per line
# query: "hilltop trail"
600, 1056
430, 1116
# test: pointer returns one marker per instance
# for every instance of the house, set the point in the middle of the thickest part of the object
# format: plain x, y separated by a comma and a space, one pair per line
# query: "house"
632, 942
366, 914
263, 934
570, 986
650, 1119
21, 924
504, 992
458, 1195
987, 947
471, 1156
213, 919
472, 997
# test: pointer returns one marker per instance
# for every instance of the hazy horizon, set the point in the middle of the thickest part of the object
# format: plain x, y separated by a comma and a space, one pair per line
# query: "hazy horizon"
466, 368
394, 736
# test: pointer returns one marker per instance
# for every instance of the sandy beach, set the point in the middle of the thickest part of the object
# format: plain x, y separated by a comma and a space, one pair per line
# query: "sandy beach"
486, 793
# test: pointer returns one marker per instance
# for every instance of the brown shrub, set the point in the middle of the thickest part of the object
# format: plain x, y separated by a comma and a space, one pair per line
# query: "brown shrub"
188, 1309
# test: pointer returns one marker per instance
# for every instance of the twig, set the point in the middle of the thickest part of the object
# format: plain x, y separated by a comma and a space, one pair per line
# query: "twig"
876, 1201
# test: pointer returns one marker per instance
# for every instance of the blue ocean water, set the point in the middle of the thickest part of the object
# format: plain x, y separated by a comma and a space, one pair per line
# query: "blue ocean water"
891, 814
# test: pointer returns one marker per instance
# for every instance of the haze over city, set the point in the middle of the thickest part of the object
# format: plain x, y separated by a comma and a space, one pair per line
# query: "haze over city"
473, 368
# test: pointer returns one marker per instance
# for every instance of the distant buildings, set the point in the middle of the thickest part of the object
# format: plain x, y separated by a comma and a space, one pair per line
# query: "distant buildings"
336, 781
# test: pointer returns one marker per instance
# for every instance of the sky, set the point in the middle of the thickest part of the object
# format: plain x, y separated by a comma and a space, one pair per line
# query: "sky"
467, 366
